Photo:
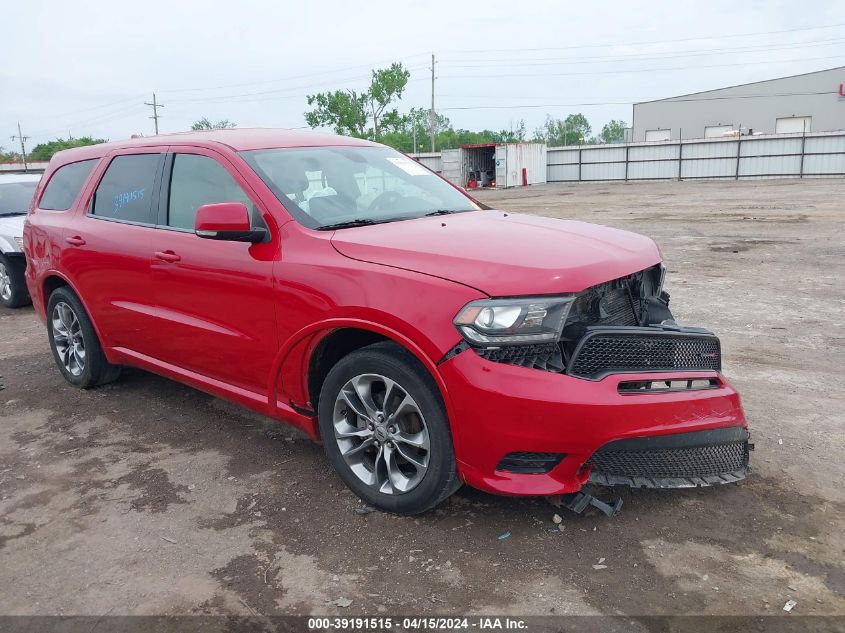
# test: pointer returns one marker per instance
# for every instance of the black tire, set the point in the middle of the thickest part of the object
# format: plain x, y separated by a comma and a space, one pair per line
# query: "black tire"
96, 369
392, 361
14, 268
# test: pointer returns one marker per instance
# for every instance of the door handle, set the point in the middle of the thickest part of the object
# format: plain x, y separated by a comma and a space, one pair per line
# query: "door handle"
75, 241
167, 256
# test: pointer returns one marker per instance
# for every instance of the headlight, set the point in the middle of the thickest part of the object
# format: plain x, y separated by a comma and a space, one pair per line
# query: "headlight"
491, 322
19, 241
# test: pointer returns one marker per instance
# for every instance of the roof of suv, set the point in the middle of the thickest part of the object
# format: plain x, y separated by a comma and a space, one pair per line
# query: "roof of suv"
236, 139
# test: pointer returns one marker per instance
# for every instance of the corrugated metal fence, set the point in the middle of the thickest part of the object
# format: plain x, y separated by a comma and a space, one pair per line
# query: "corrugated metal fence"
820, 154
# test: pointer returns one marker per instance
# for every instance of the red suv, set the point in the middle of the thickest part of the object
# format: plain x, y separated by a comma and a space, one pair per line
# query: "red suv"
344, 288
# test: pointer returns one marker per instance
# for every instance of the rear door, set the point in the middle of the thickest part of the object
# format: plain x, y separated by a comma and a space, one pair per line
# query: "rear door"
214, 298
107, 248
451, 168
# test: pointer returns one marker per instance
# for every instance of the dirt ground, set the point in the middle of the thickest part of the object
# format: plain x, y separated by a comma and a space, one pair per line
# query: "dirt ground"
147, 497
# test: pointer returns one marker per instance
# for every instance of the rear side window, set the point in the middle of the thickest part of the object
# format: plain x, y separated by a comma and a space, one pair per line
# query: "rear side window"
195, 181
126, 190
65, 185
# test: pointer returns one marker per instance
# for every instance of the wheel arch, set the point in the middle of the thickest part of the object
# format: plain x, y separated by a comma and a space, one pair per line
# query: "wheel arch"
326, 343
51, 281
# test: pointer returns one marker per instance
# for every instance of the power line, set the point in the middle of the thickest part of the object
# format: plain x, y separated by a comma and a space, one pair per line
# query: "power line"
97, 107
642, 43
638, 70
606, 103
155, 106
109, 116
289, 78
244, 98
603, 59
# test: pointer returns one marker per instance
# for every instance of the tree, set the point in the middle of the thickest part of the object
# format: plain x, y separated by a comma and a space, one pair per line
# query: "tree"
45, 151
387, 85
613, 131
399, 131
573, 130
205, 124
9, 157
344, 110
349, 112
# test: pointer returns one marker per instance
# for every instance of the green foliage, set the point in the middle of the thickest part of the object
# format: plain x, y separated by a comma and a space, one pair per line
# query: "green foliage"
205, 124
573, 130
344, 110
349, 112
9, 157
613, 131
401, 136
370, 114
387, 86
45, 151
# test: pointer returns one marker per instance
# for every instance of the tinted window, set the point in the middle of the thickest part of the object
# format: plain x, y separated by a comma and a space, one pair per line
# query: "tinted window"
15, 197
65, 185
126, 190
195, 181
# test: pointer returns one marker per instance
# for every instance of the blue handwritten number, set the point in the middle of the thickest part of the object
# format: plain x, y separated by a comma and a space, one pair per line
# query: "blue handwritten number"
124, 198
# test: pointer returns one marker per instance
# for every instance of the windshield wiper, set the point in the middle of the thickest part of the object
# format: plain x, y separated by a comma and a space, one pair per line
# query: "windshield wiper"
442, 212
348, 224
4, 214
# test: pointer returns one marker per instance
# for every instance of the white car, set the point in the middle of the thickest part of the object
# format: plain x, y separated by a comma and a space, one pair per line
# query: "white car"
16, 192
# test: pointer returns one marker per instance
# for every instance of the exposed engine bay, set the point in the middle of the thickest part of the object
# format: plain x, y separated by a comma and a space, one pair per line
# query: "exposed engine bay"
634, 300
636, 307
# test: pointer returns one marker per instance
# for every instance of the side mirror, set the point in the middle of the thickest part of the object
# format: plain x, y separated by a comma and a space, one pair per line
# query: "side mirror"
226, 221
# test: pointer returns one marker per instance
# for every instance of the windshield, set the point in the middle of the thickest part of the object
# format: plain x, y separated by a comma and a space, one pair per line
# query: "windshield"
328, 187
15, 197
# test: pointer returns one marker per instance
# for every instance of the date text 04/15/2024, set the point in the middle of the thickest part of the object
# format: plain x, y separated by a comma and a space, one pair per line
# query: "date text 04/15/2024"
417, 623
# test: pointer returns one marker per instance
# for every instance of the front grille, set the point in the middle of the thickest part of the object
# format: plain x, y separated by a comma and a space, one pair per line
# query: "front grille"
686, 459
678, 462
640, 349
529, 463
547, 357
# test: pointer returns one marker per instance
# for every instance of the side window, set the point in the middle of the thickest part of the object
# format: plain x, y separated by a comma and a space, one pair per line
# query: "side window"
65, 185
126, 190
198, 180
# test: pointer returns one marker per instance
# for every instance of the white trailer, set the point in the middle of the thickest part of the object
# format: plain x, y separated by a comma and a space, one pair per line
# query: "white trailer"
499, 165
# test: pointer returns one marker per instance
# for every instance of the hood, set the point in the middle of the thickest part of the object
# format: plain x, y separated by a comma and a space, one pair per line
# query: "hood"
503, 254
10, 227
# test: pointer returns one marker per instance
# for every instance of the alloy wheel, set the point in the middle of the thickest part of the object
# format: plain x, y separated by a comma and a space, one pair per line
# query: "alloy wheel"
68, 338
381, 433
5, 283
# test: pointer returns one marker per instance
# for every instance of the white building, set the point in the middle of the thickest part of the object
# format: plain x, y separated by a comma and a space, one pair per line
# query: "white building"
812, 102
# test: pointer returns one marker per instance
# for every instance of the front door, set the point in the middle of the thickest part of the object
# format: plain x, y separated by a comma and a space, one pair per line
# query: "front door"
214, 298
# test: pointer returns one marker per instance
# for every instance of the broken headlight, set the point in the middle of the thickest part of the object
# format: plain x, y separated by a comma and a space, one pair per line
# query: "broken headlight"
492, 322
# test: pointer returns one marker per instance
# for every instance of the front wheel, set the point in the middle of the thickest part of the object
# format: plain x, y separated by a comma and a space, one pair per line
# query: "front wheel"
385, 430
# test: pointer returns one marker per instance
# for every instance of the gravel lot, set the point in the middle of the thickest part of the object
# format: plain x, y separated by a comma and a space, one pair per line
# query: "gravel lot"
147, 497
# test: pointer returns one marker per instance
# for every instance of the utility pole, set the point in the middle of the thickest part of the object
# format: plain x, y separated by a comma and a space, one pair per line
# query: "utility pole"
155, 106
23, 140
431, 114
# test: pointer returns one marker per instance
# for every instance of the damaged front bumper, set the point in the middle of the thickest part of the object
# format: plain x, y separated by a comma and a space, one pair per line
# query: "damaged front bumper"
523, 431
681, 460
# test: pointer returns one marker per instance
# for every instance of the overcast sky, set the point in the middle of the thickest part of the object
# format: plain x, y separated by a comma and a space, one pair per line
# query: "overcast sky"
86, 67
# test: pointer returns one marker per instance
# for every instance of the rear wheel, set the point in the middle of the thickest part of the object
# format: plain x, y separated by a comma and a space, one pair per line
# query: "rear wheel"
76, 348
13, 292
385, 430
